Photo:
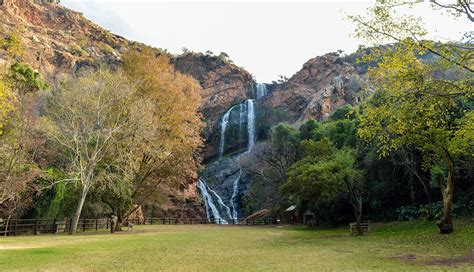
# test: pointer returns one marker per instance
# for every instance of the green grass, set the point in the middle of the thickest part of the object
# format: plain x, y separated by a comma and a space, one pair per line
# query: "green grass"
393, 246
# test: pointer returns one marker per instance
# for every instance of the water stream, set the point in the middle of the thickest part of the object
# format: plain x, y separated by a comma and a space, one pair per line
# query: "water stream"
216, 209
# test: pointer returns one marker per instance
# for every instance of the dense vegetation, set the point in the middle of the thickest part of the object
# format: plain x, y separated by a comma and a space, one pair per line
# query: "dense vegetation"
99, 144
404, 150
104, 142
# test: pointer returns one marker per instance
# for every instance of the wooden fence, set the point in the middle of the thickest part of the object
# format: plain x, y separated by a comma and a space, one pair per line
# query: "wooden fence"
53, 226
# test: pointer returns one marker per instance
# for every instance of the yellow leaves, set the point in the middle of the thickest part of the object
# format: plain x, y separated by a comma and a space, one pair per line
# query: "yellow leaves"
12, 43
7, 98
463, 141
172, 124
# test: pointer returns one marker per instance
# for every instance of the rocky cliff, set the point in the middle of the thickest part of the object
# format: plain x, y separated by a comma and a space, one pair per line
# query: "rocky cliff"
320, 87
224, 85
59, 42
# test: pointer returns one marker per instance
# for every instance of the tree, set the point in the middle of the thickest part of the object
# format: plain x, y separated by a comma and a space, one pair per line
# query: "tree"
423, 95
87, 117
163, 148
20, 140
7, 99
323, 174
12, 44
25, 78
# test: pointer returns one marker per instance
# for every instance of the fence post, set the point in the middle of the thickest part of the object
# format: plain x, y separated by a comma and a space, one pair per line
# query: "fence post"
107, 223
16, 226
233, 221
151, 221
70, 225
96, 223
36, 227
176, 221
219, 220
83, 224
53, 229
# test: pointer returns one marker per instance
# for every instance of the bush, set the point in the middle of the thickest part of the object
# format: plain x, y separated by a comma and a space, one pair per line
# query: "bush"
434, 210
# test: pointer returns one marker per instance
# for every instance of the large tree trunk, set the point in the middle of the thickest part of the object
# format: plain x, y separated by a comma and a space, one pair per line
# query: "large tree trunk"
118, 226
445, 225
77, 214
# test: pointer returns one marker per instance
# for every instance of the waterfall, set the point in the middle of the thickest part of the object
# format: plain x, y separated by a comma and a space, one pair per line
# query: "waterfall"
246, 115
251, 123
251, 136
224, 122
221, 203
261, 90
233, 199
209, 203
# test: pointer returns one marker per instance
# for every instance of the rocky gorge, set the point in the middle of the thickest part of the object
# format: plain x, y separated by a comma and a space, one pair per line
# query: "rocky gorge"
60, 42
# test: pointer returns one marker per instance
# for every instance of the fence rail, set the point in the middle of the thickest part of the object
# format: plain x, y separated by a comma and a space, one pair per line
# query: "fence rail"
14, 227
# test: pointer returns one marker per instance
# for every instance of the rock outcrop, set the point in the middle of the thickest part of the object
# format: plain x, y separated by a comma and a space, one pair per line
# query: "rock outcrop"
320, 87
224, 85
58, 41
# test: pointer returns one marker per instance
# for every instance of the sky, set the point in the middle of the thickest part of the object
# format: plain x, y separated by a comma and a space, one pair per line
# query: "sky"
266, 38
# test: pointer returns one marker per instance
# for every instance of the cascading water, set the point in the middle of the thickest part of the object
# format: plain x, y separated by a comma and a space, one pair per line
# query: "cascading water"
251, 123
261, 90
221, 203
246, 115
235, 193
211, 208
224, 122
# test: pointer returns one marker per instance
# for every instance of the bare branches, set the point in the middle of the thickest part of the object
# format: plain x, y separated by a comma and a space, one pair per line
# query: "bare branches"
461, 7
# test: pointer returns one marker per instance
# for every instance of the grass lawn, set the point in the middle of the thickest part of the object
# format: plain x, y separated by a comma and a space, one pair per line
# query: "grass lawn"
393, 246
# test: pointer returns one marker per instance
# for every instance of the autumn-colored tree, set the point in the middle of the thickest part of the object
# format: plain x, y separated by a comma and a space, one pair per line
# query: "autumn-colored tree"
11, 43
423, 95
163, 149
7, 99
19, 140
88, 117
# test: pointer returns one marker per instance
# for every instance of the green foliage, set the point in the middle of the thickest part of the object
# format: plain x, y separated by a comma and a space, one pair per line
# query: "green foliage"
323, 174
342, 113
24, 79
285, 140
225, 57
306, 129
11, 42
434, 210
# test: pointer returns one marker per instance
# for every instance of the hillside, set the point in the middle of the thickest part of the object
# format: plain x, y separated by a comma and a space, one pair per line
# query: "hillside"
323, 84
59, 42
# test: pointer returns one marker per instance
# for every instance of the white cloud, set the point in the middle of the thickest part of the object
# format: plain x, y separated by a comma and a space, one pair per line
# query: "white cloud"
266, 38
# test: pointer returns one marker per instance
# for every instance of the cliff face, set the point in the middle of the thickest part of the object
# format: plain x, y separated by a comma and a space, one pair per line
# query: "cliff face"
320, 87
224, 85
59, 41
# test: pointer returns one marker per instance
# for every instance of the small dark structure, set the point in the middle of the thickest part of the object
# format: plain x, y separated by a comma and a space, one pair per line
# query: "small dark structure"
309, 218
292, 215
